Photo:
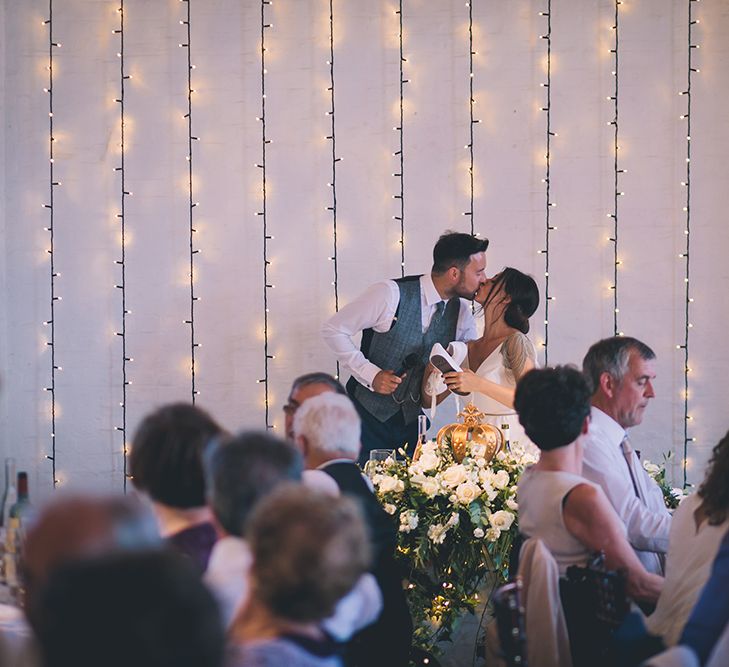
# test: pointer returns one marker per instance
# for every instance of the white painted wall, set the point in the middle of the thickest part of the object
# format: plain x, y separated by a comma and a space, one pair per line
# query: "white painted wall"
509, 203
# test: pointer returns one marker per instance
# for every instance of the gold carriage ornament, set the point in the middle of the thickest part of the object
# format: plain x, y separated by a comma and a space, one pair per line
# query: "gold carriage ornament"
473, 431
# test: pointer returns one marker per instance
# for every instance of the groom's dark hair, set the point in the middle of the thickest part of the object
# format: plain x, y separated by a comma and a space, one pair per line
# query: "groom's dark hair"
455, 249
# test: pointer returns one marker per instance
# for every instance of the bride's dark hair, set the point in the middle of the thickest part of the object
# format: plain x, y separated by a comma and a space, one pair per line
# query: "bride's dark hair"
523, 293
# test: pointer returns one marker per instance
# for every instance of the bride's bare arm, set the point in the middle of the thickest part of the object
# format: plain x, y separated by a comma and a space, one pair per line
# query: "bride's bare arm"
468, 382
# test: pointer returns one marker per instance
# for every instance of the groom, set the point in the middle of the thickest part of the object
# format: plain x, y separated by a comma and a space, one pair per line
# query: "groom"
400, 321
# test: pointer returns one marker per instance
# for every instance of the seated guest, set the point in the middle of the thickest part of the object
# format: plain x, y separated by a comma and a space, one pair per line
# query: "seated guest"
240, 473
621, 370
571, 515
166, 463
145, 609
705, 637
308, 551
697, 530
306, 386
709, 619
71, 529
77, 527
327, 429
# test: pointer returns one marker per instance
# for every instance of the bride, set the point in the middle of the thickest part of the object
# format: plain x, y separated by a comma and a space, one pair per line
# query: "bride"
493, 364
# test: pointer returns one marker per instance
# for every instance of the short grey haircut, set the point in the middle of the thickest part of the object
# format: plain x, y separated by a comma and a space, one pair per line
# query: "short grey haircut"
612, 355
330, 424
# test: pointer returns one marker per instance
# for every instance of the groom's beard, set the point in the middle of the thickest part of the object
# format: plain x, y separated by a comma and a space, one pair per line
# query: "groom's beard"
461, 292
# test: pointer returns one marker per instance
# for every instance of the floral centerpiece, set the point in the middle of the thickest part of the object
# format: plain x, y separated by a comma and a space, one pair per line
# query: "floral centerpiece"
457, 516
672, 495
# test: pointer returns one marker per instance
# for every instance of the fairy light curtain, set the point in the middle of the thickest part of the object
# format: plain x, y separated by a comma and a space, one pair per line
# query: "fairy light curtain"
152, 223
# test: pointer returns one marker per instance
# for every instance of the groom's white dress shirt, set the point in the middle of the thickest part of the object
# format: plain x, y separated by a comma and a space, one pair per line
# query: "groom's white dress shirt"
645, 515
375, 309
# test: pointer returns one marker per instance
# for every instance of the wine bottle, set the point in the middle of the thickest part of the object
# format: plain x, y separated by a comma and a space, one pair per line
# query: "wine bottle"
10, 495
505, 432
18, 517
20, 509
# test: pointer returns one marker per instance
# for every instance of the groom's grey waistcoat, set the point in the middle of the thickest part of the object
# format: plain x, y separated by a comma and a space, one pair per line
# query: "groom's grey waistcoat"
389, 349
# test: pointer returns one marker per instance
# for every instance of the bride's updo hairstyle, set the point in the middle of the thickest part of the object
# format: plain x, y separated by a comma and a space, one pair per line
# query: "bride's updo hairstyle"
523, 293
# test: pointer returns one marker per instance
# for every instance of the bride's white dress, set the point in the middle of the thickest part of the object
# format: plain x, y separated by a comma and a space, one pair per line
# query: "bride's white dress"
499, 367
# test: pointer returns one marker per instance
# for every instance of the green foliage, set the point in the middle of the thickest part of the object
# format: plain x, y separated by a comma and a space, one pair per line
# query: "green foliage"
672, 496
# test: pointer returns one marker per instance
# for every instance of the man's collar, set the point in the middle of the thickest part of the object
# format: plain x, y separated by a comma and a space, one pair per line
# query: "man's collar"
332, 462
614, 431
429, 291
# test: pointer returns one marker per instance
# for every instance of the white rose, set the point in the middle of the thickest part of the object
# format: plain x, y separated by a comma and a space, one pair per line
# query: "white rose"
437, 533
428, 485
501, 479
489, 490
512, 504
478, 533
389, 484
429, 447
651, 468
390, 509
478, 450
428, 461
493, 534
453, 520
486, 476
454, 475
501, 520
467, 492
408, 521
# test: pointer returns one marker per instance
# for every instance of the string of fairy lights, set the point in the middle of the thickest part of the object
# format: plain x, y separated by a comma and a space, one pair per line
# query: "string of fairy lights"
332, 137
124, 193
400, 153
472, 120
685, 256
53, 183
549, 204
121, 262
267, 285
613, 238
191, 203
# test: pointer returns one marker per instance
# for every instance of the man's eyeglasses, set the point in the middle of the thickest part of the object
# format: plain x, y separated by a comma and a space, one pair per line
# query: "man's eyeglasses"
290, 408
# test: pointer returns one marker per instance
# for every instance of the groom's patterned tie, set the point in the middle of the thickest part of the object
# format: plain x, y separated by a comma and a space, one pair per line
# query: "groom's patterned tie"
439, 309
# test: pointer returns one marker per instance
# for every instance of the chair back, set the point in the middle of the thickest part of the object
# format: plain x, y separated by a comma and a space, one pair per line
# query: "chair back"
509, 614
548, 642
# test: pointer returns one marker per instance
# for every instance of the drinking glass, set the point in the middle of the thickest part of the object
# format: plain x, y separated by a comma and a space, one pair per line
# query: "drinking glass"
378, 456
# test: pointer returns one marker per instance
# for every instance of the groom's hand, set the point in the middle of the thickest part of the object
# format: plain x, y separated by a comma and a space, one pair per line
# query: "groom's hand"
385, 382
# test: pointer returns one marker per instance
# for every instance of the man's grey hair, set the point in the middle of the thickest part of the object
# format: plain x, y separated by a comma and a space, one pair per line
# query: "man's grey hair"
612, 355
330, 424
317, 378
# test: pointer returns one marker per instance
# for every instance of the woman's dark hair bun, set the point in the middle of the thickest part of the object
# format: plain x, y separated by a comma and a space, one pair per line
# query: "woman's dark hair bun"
523, 293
